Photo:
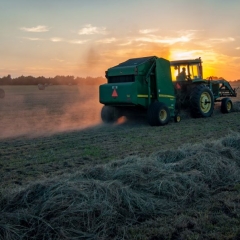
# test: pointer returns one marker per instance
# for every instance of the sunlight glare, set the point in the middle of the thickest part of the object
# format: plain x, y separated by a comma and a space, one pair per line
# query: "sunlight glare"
121, 120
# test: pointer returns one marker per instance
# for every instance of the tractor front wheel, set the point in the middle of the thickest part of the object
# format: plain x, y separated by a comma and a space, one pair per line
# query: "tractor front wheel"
109, 114
158, 114
202, 102
226, 105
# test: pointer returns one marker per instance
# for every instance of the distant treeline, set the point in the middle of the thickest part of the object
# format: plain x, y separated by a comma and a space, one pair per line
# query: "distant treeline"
220, 78
57, 80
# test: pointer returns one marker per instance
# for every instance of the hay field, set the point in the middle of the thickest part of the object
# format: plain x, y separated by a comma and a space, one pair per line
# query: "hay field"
64, 175
26, 110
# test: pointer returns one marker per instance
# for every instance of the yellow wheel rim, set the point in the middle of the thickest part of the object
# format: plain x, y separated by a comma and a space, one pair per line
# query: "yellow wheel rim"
163, 115
178, 118
205, 102
229, 106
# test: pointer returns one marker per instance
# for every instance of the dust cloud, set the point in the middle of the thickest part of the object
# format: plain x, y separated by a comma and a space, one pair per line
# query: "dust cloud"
98, 59
27, 111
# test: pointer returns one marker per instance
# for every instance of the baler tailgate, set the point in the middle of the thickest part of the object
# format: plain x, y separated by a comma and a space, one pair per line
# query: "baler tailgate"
118, 94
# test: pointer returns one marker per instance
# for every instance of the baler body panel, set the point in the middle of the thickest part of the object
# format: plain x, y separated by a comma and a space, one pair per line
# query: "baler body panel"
129, 81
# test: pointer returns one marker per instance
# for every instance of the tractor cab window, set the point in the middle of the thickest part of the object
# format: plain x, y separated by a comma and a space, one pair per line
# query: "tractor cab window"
179, 72
195, 71
184, 72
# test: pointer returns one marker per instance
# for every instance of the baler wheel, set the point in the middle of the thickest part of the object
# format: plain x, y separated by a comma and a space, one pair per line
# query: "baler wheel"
202, 102
158, 114
177, 118
226, 105
109, 114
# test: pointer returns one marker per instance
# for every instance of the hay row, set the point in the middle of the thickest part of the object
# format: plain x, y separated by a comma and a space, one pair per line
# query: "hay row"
41, 86
102, 202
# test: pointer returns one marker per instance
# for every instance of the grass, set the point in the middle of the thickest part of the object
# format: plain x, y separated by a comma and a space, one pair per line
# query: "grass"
104, 144
63, 179
193, 189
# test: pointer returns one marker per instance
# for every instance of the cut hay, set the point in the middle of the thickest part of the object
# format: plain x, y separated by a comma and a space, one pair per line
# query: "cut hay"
2, 93
236, 106
106, 201
41, 86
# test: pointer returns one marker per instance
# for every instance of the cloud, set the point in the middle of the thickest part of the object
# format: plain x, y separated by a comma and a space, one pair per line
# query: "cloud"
185, 54
222, 40
39, 28
107, 40
126, 43
33, 39
77, 41
147, 31
55, 39
189, 31
57, 60
89, 29
238, 48
170, 41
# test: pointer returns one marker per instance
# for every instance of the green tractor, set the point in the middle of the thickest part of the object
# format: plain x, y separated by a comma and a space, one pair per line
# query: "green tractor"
160, 89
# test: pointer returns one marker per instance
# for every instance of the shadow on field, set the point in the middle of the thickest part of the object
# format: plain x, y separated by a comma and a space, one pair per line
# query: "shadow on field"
140, 119
188, 193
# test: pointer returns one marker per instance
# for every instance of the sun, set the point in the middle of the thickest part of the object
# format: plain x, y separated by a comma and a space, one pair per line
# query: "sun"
177, 54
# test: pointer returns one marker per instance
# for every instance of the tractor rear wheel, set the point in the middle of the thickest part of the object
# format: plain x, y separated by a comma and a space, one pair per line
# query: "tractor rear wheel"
226, 105
202, 102
158, 114
109, 114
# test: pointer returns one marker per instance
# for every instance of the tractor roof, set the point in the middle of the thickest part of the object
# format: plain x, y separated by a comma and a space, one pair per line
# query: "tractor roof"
187, 61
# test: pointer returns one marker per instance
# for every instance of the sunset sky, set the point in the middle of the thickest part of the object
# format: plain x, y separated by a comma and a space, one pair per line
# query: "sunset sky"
85, 37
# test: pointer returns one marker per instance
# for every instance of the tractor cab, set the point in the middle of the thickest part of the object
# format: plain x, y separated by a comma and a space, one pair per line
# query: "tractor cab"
186, 70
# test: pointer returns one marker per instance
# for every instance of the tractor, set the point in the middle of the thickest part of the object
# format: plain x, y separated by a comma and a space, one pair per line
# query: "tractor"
158, 88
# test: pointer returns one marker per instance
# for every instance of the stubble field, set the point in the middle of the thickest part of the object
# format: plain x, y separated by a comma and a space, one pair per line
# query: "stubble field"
53, 135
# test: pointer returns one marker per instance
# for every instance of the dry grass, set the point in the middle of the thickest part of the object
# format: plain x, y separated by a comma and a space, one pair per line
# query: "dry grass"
27, 110
110, 201
2, 93
157, 190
